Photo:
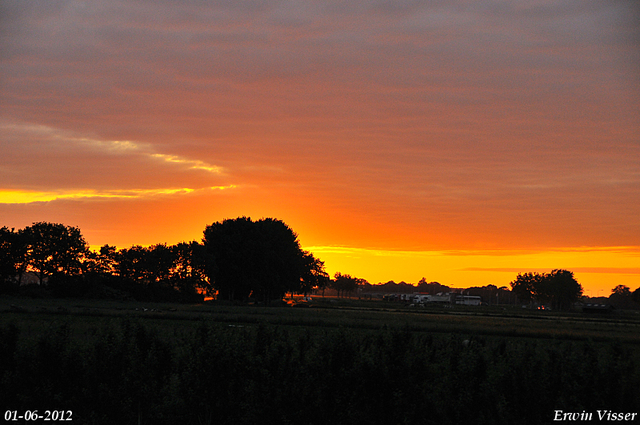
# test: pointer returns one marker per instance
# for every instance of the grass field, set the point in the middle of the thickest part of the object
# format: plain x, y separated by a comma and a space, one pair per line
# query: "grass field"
342, 313
341, 361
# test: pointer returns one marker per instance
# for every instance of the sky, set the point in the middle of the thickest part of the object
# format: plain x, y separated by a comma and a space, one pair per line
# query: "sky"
459, 141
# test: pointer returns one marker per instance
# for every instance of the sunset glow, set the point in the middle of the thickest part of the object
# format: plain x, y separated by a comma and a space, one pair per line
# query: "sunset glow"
463, 142
480, 268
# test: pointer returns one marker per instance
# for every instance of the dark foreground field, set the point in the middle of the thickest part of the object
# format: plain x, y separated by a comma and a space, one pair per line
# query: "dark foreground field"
341, 363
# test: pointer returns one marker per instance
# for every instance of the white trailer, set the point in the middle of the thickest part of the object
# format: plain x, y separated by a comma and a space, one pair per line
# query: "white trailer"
440, 298
468, 300
421, 299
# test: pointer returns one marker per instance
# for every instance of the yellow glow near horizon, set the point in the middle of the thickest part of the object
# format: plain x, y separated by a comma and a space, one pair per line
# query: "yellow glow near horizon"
461, 269
27, 197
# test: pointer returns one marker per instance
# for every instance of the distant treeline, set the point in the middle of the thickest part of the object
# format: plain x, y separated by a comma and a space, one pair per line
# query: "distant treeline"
237, 259
392, 287
490, 294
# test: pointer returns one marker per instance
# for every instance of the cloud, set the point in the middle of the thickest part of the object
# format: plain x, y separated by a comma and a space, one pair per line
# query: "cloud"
193, 164
41, 158
27, 197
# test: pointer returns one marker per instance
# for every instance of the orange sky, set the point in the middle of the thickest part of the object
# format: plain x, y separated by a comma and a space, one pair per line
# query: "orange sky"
462, 142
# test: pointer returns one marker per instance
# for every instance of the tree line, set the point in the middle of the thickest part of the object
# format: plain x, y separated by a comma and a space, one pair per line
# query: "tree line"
237, 258
559, 289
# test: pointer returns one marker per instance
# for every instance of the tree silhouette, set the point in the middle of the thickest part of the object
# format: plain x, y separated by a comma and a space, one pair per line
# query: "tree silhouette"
562, 288
13, 257
526, 285
131, 264
558, 288
54, 249
280, 260
313, 273
622, 297
621, 291
160, 263
261, 259
242, 258
189, 273
7, 265
102, 263
344, 283
635, 295
431, 287
234, 256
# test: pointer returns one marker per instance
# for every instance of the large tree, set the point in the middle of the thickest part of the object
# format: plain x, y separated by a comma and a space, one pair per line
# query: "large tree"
233, 247
562, 289
558, 288
54, 249
524, 286
261, 259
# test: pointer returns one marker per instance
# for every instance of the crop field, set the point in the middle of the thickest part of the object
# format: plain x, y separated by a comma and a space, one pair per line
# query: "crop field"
337, 362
